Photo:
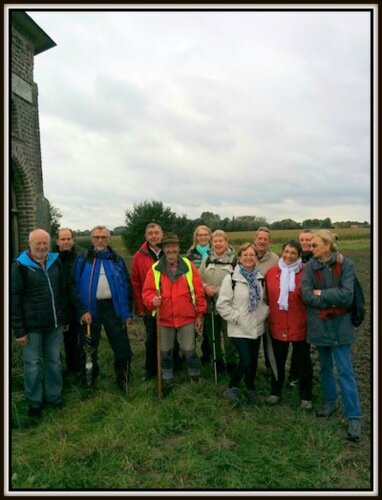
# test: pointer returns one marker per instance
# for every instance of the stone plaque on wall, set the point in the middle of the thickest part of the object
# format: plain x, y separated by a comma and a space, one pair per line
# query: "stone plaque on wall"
22, 88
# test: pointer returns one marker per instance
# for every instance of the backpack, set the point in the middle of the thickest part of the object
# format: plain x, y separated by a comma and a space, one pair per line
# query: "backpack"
219, 262
358, 306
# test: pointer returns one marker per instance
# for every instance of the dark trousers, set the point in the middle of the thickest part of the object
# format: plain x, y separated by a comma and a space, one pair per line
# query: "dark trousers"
303, 367
151, 345
72, 347
248, 350
116, 333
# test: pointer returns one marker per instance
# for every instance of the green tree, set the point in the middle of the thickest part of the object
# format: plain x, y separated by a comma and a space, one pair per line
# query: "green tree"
54, 220
154, 211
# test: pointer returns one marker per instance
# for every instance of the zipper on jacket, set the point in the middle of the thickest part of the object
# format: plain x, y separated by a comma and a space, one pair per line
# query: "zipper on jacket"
52, 295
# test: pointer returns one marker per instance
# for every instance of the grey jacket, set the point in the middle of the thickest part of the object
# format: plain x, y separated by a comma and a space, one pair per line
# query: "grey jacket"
339, 329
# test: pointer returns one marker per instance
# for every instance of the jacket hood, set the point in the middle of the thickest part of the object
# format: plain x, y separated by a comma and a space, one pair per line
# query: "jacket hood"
25, 260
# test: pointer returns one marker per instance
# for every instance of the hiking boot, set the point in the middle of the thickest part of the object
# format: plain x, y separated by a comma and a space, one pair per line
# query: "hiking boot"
232, 394
273, 399
327, 410
354, 429
35, 411
306, 404
251, 396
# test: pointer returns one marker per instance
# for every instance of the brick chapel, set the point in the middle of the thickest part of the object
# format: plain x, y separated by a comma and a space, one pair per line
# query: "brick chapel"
28, 206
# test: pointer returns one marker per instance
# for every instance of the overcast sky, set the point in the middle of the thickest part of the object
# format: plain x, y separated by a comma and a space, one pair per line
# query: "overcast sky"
262, 113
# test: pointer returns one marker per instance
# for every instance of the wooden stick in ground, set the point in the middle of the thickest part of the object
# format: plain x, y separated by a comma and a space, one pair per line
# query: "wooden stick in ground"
159, 374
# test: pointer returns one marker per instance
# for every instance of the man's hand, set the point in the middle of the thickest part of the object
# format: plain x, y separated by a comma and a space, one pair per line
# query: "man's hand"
157, 301
86, 318
22, 340
199, 325
128, 322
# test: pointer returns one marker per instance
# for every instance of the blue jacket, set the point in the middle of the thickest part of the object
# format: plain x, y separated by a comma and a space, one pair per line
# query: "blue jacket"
87, 270
337, 330
39, 299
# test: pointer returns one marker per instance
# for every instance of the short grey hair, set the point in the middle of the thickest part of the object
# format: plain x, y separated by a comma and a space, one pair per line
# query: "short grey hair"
101, 228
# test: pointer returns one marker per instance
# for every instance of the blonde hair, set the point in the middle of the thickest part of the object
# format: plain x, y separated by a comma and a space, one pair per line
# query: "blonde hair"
327, 237
220, 232
202, 226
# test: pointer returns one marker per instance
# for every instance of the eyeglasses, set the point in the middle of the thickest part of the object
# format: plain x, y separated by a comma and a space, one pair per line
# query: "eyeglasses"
314, 245
202, 235
100, 237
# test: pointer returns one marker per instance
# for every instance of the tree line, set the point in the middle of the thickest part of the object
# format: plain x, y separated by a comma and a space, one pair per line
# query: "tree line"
141, 214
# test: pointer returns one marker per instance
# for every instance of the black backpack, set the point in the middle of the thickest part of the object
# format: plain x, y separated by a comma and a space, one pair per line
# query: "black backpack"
358, 307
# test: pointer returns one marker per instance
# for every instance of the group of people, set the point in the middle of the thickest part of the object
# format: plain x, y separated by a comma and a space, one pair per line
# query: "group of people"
234, 302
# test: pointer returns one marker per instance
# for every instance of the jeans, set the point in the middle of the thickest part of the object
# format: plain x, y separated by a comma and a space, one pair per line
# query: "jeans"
348, 385
43, 377
248, 350
186, 339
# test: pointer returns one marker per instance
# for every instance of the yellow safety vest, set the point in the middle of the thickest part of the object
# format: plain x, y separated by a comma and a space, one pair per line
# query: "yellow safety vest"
188, 278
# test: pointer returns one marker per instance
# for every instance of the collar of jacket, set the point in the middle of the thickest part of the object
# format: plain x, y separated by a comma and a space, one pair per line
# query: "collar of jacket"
25, 260
108, 253
162, 266
335, 256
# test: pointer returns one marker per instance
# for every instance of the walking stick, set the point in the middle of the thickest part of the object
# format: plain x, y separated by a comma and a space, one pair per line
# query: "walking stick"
89, 360
214, 341
159, 375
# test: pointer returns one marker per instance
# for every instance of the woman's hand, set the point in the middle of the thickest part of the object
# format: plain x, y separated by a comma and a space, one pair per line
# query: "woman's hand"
210, 290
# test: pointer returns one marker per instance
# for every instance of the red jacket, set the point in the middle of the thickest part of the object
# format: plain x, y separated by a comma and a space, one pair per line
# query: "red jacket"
293, 322
176, 308
142, 262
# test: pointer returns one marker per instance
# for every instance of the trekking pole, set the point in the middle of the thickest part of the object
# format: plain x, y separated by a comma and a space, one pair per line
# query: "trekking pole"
214, 341
89, 360
159, 375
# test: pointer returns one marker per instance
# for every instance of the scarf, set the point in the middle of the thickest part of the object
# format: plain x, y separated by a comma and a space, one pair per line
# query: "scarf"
203, 250
287, 281
254, 287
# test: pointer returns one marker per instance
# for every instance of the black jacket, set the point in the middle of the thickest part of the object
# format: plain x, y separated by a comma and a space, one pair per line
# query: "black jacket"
38, 297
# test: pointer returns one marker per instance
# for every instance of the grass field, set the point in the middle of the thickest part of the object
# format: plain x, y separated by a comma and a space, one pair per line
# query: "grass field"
349, 239
191, 439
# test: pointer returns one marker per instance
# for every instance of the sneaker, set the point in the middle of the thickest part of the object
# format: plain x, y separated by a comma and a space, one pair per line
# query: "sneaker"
35, 411
273, 399
306, 404
327, 410
354, 429
251, 396
232, 394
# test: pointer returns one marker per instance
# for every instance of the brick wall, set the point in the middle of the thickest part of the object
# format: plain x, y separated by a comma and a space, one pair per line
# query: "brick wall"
26, 168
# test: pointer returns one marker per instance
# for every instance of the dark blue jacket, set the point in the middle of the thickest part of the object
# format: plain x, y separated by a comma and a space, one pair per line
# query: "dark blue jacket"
335, 293
38, 298
86, 277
